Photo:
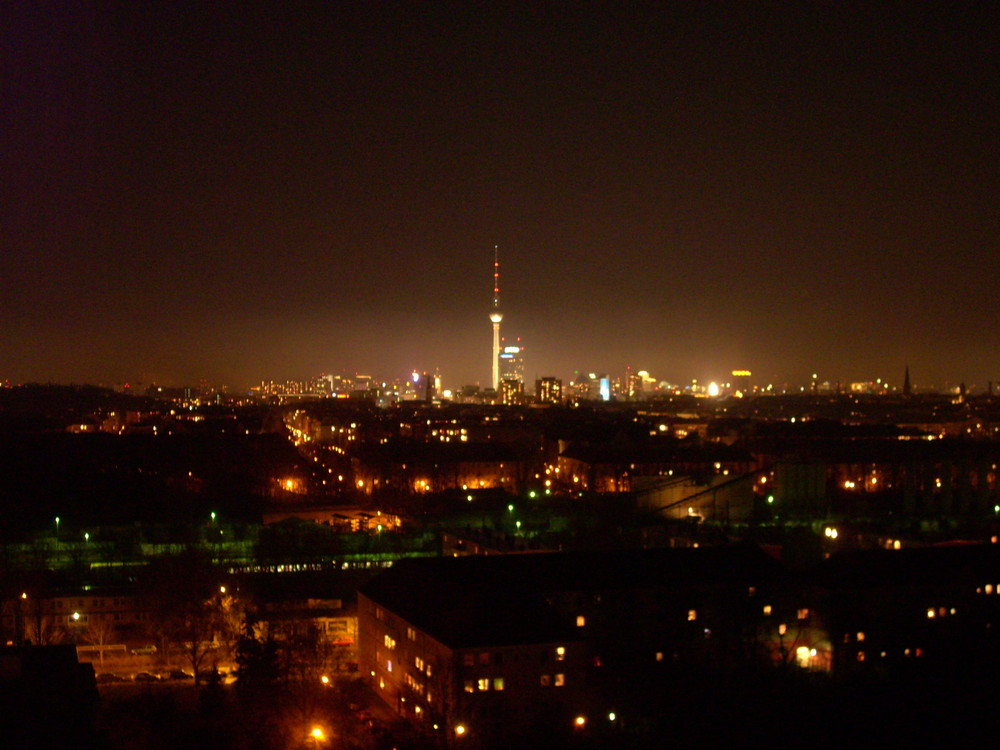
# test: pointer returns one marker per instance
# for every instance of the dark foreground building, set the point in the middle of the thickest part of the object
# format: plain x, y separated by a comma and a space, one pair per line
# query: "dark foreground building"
47, 697
706, 646
483, 649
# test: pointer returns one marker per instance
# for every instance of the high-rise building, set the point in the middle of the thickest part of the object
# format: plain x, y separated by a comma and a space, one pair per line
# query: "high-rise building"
495, 317
548, 391
511, 392
512, 362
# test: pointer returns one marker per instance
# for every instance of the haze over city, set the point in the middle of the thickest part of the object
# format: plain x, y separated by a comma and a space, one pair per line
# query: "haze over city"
275, 190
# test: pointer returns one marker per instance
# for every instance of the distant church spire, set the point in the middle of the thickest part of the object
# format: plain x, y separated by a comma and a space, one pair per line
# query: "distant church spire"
906, 382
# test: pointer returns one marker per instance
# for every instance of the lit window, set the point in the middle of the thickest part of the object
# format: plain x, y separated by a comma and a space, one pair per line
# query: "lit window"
767, 610
483, 683
560, 680
411, 634
803, 614
861, 637
782, 629
390, 643
418, 663
861, 655
544, 681
581, 621
752, 591
428, 670
659, 656
989, 588
388, 666
931, 614
498, 683
560, 653
692, 615
470, 686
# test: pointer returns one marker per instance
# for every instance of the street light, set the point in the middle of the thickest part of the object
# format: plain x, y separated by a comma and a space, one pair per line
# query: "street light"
57, 527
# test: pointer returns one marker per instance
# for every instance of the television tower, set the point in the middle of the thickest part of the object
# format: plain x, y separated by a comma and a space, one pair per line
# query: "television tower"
495, 317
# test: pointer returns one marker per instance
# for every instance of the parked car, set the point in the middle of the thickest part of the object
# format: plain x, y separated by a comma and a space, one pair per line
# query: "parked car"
147, 650
179, 674
146, 677
211, 675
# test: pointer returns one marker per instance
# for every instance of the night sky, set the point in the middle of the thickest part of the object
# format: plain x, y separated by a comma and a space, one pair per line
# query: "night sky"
239, 191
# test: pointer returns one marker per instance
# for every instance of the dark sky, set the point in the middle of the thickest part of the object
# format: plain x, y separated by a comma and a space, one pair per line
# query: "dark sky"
238, 191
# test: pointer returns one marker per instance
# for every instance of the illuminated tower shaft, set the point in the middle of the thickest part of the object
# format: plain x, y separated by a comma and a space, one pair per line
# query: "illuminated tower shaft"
495, 317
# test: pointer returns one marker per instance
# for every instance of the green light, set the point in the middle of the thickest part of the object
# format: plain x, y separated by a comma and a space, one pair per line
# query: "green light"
770, 498
531, 494
510, 508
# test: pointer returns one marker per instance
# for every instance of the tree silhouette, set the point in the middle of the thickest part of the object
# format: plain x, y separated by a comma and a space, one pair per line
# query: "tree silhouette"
183, 591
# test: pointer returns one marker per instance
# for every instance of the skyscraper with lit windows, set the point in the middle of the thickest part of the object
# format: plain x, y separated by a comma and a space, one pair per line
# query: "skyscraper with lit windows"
512, 362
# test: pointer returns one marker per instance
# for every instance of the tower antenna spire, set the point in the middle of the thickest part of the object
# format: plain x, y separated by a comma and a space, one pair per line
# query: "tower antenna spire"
496, 277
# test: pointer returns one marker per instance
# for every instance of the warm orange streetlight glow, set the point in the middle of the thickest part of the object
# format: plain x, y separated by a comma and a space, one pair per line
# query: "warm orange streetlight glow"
317, 734
580, 721
460, 730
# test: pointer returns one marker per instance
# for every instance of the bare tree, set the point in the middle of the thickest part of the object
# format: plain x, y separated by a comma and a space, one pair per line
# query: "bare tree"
101, 632
184, 595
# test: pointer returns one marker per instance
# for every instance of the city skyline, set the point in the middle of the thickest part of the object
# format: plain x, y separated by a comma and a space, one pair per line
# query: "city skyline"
275, 191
